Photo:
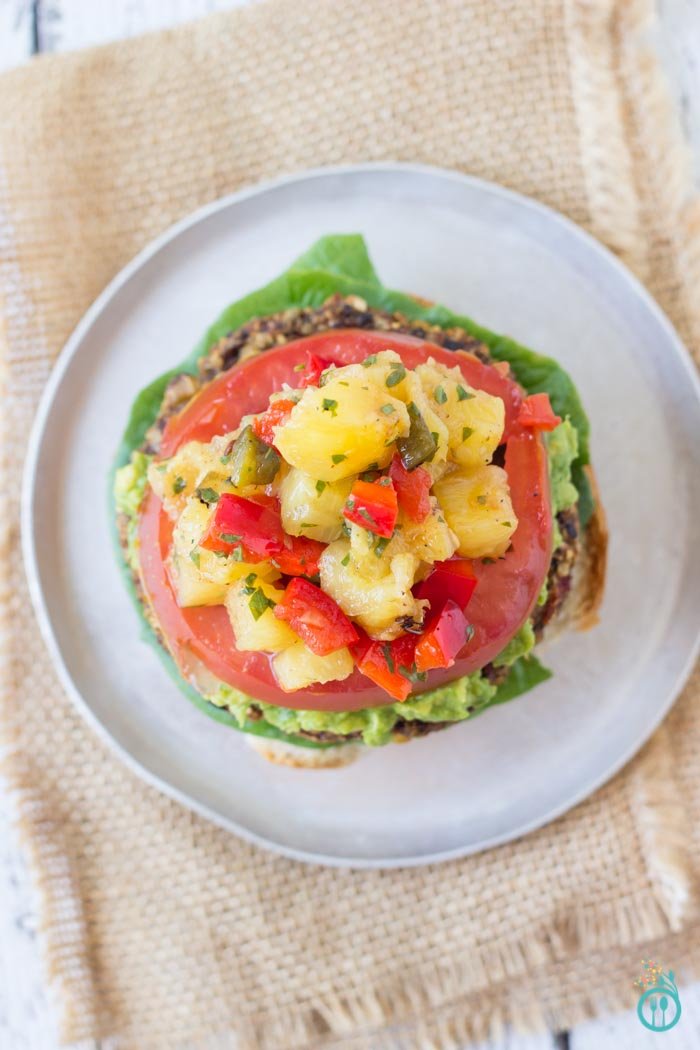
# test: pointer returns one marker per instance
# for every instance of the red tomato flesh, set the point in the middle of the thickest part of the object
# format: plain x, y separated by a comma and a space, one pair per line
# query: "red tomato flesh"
315, 617
373, 505
506, 590
412, 489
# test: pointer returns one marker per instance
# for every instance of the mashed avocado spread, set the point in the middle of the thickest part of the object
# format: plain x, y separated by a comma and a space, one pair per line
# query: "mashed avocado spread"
453, 702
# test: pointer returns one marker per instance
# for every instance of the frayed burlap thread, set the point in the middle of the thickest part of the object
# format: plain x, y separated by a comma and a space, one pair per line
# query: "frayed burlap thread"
161, 931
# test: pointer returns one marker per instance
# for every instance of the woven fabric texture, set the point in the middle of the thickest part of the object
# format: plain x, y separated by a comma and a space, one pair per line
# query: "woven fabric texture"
161, 930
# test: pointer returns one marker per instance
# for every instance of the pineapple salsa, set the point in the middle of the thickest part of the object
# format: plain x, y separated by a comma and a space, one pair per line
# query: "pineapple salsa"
357, 548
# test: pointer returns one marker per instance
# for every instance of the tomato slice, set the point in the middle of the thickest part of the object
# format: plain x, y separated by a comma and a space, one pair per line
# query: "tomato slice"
506, 590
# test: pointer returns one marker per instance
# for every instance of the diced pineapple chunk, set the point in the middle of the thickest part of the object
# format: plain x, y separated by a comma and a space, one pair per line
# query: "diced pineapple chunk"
377, 604
246, 600
212, 567
195, 464
432, 539
478, 509
297, 667
474, 419
341, 428
311, 507
190, 586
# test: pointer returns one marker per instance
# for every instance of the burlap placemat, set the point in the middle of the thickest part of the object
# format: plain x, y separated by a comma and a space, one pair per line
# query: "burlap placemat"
161, 930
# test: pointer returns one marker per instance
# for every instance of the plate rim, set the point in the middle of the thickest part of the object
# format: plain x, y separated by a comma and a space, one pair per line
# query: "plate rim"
39, 428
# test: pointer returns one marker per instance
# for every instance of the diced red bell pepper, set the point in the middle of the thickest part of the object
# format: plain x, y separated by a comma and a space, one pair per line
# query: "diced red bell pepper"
257, 531
277, 414
453, 580
315, 366
389, 665
536, 412
412, 489
315, 617
239, 522
373, 505
444, 637
299, 556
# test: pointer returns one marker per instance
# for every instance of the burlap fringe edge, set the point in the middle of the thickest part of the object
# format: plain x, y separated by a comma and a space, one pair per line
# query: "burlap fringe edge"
435, 1010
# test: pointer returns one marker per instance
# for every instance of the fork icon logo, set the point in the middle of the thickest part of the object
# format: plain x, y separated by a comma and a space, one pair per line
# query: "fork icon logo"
659, 1006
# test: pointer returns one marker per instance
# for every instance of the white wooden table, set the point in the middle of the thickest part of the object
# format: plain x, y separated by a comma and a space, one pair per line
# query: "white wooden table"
30, 26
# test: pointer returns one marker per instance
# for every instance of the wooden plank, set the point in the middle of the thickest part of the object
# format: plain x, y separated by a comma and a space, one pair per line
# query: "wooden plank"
16, 32
64, 25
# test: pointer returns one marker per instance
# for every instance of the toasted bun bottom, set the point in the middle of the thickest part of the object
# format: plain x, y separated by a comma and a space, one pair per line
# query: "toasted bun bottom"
284, 754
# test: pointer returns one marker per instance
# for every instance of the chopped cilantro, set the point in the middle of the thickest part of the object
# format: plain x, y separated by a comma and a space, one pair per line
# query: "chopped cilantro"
339, 457
368, 361
178, 485
481, 500
386, 650
329, 405
440, 395
462, 394
194, 556
398, 372
467, 432
207, 495
381, 545
259, 603
387, 409
345, 560
237, 553
469, 632
412, 673
229, 537
320, 486
301, 367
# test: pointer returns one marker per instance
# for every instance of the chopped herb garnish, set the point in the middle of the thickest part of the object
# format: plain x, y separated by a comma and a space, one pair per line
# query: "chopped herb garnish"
387, 409
225, 460
325, 375
320, 486
329, 405
469, 632
237, 553
481, 500
194, 556
488, 561
162, 467
220, 554
398, 372
386, 650
467, 432
385, 482
309, 525
462, 394
435, 436
440, 395
368, 361
345, 560
507, 524
259, 603
230, 537
250, 579
381, 545
301, 367
341, 382
412, 673
364, 513
339, 457
373, 466
178, 485
345, 529
207, 495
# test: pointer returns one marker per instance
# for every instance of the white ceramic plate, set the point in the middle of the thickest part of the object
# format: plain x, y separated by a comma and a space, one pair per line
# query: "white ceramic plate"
516, 267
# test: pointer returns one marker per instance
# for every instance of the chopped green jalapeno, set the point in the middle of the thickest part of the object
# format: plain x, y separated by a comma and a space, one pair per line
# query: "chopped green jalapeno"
252, 461
419, 445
